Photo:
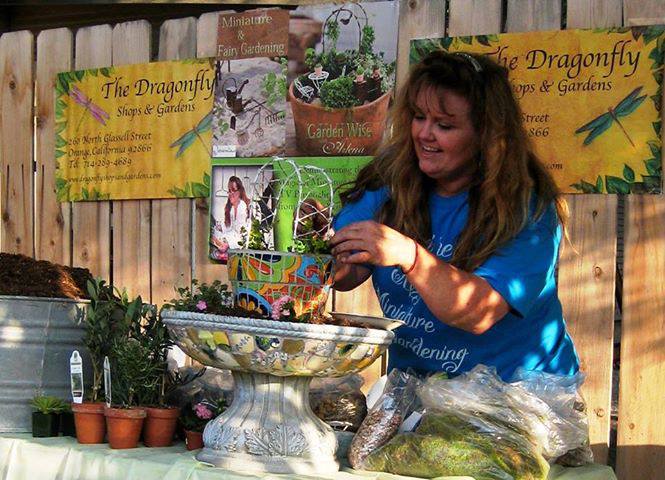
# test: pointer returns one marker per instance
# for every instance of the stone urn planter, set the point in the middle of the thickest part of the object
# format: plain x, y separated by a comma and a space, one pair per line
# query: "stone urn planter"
270, 426
37, 337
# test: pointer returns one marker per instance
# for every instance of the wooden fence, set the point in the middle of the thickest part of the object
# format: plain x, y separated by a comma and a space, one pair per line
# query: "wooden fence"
151, 245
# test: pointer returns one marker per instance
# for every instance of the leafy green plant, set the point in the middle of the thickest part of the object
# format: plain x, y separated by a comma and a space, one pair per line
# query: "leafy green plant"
338, 93
274, 85
257, 236
48, 404
134, 377
194, 417
310, 243
212, 298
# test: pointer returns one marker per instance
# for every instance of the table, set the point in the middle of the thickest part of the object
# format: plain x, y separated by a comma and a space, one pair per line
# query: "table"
62, 458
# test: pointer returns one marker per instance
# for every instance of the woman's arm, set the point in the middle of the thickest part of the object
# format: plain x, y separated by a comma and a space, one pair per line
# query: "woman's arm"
457, 298
349, 276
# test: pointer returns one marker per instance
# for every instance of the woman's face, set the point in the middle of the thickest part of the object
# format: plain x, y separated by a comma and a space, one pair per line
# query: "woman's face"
234, 193
445, 141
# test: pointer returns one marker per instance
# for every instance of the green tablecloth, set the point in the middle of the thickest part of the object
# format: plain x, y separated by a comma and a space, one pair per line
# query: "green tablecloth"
25, 458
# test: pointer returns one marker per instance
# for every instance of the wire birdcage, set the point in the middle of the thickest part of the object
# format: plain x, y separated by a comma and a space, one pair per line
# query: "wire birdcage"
311, 216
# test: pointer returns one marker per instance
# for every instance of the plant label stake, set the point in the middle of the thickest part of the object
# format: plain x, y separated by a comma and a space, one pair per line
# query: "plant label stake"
76, 376
107, 381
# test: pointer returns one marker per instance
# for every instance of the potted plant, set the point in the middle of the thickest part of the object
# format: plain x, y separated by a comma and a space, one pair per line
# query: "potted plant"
104, 322
261, 277
67, 426
195, 417
161, 419
346, 91
132, 374
46, 417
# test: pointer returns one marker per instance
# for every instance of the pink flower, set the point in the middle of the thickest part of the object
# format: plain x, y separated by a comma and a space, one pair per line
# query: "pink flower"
201, 305
278, 307
202, 411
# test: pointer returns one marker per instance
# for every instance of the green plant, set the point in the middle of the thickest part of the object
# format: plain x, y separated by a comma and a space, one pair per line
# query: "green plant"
257, 236
154, 335
194, 417
274, 85
47, 404
338, 93
134, 377
310, 243
206, 298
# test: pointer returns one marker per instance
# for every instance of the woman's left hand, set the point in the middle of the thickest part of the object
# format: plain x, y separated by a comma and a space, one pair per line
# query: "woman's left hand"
374, 243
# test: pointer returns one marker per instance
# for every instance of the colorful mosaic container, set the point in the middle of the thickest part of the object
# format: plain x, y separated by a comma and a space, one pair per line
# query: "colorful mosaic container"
260, 277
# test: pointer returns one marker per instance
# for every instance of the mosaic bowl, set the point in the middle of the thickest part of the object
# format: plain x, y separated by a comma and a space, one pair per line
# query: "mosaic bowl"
275, 348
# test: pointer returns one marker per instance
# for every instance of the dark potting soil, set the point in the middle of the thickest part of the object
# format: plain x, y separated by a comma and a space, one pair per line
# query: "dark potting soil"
25, 276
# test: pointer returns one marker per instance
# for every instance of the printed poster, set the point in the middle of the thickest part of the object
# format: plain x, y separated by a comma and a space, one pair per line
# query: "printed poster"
341, 77
250, 94
134, 131
591, 101
239, 184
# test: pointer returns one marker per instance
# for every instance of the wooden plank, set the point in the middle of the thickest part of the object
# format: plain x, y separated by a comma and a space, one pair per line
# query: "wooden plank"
528, 15
417, 19
587, 273
91, 221
474, 17
16, 129
52, 218
643, 12
203, 269
172, 218
586, 290
641, 429
131, 218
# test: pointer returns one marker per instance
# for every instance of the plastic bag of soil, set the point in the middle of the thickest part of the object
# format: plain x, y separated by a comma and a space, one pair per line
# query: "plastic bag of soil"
480, 426
384, 419
569, 429
339, 401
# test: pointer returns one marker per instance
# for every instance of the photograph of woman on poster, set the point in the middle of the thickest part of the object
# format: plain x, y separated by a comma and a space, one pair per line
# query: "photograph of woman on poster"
228, 217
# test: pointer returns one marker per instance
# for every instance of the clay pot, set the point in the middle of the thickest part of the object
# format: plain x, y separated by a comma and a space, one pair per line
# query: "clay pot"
89, 421
193, 440
160, 426
339, 131
124, 426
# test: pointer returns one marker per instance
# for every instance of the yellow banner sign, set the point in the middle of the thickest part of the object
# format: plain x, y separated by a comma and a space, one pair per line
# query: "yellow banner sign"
591, 101
134, 131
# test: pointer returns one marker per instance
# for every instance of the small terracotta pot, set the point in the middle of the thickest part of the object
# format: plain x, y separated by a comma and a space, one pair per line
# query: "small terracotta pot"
124, 426
160, 426
89, 421
193, 440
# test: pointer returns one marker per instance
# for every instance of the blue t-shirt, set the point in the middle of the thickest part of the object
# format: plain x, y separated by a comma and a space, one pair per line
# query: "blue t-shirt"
532, 335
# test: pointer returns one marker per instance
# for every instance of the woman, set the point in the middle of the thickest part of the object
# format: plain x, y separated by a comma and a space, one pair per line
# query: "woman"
236, 211
459, 224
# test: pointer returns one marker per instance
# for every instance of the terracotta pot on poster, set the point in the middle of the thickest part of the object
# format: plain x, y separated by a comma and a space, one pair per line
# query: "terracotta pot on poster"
193, 440
89, 421
159, 427
124, 426
322, 131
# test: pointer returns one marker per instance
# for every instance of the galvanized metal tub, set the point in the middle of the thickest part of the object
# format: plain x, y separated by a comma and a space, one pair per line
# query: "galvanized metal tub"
37, 337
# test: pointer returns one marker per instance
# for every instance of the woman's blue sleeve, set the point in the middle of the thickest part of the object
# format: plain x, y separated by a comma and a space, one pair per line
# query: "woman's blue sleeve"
523, 269
365, 208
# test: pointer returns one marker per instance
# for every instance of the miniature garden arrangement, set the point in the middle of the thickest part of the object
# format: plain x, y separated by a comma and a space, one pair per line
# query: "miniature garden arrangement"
350, 88
276, 339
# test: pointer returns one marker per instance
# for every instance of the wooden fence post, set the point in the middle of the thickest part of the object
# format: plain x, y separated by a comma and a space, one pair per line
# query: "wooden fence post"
641, 429
131, 218
52, 219
171, 253
91, 221
16, 128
